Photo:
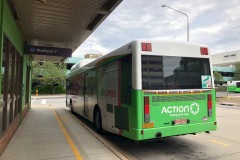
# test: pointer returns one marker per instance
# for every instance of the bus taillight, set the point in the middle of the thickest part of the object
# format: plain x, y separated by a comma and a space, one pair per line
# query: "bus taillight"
204, 50
146, 46
146, 110
209, 105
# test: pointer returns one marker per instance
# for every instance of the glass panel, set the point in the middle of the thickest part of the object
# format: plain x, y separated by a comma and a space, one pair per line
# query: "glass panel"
2, 85
14, 84
20, 75
126, 79
238, 84
10, 72
9, 89
3, 69
17, 84
27, 85
166, 72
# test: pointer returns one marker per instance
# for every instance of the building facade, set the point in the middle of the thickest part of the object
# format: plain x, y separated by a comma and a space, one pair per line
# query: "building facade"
224, 63
15, 78
226, 58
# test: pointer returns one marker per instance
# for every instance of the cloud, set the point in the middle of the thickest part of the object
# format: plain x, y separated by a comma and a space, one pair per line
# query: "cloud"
214, 23
92, 46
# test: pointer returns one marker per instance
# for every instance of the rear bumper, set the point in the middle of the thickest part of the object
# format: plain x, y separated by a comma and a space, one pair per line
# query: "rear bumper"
168, 131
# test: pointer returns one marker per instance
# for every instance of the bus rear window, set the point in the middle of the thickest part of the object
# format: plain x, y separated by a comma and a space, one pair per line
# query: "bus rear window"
168, 72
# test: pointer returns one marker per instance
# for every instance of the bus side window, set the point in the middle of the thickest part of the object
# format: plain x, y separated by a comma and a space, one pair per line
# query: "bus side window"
237, 84
126, 79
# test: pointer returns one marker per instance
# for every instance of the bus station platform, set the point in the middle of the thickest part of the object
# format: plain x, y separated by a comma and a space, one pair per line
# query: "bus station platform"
48, 132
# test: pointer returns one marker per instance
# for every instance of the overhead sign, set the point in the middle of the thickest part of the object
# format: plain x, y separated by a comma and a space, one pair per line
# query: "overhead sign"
50, 51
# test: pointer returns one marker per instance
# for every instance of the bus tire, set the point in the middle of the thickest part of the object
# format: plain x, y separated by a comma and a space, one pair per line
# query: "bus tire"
98, 120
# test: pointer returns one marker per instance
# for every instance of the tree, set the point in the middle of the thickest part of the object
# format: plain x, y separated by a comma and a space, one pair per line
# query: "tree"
217, 77
237, 71
49, 73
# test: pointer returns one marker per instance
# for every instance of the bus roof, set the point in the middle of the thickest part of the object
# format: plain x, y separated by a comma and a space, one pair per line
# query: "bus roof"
158, 47
82, 63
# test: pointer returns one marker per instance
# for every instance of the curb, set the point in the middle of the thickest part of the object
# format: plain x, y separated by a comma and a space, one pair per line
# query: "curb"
227, 104
49, 96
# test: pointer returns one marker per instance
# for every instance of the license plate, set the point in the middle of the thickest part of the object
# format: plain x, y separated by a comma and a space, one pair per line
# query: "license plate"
148, 125
180, 121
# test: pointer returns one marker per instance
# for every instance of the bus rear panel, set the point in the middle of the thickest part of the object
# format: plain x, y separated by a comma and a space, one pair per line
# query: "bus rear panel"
177, 96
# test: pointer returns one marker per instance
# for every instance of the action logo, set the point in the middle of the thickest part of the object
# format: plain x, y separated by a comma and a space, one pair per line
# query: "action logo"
194, 108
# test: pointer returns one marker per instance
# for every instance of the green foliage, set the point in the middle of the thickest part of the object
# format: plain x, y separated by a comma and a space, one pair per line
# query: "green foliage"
49, 73
217, 76
237, 71
48, 89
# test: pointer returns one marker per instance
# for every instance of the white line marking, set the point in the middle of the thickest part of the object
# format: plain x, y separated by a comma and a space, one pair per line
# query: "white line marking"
33, 100
44, 101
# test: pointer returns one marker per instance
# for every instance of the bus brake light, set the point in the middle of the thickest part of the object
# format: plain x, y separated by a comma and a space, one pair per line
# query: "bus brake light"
146, 110
209, 105
204, 50
146, 47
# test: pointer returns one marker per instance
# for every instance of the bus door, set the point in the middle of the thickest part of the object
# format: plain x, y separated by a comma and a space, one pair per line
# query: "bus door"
85, 95
111, 93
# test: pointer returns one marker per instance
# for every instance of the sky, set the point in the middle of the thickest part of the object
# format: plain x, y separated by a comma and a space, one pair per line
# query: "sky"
212, 22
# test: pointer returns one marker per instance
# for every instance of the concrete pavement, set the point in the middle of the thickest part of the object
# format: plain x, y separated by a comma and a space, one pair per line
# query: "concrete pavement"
228, 98
51, 133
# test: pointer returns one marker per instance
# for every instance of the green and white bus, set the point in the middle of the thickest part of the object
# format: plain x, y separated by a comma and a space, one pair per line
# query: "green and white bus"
233, 86
146, 89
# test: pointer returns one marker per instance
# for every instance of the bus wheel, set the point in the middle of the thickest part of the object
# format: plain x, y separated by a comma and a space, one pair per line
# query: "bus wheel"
98, 121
